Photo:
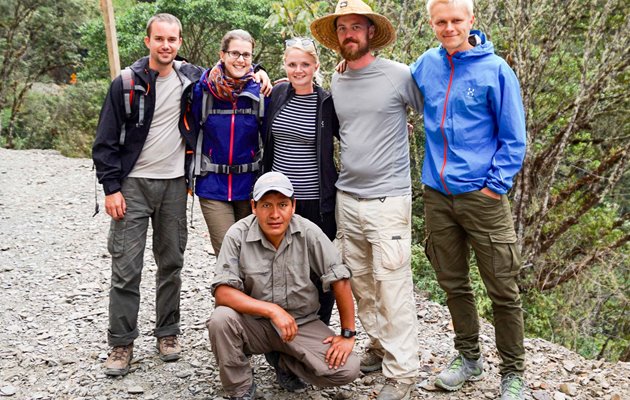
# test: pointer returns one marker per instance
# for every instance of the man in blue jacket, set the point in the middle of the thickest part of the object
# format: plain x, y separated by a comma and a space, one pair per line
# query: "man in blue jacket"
475, 145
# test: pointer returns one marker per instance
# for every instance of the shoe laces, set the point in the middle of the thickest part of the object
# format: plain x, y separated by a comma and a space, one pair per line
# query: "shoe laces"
512, 384
119, 353
169, 341
456, 364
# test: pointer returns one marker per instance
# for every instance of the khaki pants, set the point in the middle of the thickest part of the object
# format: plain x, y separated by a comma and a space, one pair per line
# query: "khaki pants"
234, 335
454, 224
220, 216
374, 237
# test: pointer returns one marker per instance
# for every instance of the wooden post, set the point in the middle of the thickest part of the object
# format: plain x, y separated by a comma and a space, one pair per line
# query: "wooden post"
110, 33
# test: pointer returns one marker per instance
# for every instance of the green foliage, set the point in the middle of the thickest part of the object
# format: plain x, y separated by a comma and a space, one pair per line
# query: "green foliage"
204, 24
61, 118
38, 43
588, 315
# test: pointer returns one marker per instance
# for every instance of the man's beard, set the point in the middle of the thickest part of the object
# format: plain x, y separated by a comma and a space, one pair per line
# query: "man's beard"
351, 55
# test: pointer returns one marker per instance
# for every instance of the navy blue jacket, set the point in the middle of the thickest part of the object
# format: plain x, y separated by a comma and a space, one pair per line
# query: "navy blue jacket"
114, 161
327, 128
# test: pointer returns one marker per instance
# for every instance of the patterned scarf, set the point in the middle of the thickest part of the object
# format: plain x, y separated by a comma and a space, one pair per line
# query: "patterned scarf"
225, 87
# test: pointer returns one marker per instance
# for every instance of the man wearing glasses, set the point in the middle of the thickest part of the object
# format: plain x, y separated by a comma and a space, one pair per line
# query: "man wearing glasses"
374, 188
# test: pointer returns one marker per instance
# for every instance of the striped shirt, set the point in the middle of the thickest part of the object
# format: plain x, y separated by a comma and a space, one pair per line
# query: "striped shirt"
295, 151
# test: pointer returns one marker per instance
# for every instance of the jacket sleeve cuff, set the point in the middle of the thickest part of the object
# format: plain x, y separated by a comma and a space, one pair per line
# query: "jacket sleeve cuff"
336, 273
495, 187
111, 187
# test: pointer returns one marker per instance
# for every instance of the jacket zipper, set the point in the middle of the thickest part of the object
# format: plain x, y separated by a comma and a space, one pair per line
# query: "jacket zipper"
448, 91
231, 150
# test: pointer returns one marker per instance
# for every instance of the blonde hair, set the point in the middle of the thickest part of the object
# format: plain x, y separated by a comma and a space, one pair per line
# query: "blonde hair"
466, 3
309, 48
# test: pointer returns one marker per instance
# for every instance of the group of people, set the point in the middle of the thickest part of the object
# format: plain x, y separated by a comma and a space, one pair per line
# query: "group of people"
292, 235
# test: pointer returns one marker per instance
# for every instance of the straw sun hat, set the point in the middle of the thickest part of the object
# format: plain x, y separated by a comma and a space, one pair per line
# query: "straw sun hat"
324, 29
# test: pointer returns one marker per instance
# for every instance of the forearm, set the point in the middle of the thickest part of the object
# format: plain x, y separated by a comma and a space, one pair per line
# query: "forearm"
345, 303
230, 297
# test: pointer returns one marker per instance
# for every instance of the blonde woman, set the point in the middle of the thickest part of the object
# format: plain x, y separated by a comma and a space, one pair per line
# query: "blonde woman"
301, 123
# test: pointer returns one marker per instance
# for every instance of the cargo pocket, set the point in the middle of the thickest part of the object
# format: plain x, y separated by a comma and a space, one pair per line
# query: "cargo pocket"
429, 251
116, 238
183, 234
395, 252
505, 259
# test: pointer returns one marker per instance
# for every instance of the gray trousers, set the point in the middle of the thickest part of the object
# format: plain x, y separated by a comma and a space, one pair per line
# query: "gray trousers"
234, 335
455, 224
164, 202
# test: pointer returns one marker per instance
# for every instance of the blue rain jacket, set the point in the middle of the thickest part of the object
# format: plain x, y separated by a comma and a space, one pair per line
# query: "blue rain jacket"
473, 118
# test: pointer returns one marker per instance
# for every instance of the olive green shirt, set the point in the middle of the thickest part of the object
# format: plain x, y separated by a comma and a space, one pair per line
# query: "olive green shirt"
249, 262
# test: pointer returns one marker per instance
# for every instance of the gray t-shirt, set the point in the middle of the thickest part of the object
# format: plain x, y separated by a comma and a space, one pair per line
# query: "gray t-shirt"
371, 104
164, 152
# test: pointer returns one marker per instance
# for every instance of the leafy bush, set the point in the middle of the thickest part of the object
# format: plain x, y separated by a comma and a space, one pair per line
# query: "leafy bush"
63, 119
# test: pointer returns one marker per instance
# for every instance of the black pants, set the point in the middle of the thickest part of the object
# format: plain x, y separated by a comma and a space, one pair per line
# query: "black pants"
309, 209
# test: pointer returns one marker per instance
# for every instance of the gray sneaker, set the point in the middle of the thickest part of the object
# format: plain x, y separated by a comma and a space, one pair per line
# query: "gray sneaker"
370, 362
395, 390
459, 371
512, 387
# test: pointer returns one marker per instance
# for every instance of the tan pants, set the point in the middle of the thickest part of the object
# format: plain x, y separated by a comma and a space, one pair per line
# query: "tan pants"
374, 237
220, 216
234, 335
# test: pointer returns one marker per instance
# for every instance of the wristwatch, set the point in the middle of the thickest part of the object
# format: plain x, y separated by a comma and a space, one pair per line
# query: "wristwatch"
347, 333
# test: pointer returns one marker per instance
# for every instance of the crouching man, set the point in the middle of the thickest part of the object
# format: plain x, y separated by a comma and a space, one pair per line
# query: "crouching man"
266, 301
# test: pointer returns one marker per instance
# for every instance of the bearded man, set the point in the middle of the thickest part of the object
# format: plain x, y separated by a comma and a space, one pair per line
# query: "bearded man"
374, 188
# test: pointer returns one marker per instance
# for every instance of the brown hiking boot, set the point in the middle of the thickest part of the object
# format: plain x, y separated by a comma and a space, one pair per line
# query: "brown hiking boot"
119, 360
169, 348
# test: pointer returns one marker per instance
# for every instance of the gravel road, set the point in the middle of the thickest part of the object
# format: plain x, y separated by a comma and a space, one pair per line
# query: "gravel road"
54, 279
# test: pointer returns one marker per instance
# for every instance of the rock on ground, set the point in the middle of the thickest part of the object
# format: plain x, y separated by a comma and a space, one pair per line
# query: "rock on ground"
54, 276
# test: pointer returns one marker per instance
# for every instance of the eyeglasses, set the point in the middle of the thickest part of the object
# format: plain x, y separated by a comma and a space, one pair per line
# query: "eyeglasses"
236, 54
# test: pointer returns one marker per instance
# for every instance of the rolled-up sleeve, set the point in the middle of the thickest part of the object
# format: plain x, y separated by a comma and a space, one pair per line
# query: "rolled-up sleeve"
227, 271
326, 260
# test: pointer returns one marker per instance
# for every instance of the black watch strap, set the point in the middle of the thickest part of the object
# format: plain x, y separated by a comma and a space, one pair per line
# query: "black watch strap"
347, 333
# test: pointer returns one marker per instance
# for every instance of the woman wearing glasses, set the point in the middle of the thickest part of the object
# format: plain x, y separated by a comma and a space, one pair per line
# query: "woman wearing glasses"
300, 128
227, 103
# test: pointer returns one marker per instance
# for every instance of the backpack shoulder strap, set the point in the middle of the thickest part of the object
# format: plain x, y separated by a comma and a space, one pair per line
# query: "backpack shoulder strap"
129, 87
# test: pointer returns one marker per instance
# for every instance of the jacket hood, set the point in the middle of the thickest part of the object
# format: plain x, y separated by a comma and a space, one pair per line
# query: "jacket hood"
483, 49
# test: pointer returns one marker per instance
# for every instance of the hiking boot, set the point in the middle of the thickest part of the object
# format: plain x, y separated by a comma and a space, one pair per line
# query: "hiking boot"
247, 396
395, 390
169, 348
289, 381
370, 362
512, 387
286, 379
119, 360
459, 371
